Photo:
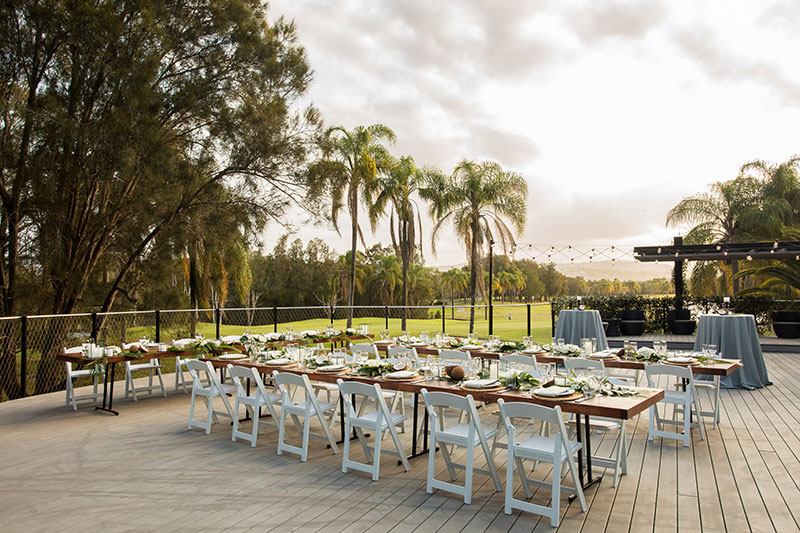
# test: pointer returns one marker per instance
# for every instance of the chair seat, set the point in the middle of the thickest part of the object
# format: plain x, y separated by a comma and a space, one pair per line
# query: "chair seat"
601, 423
460, 432
300, 408
679, 397
144, 366
370, 419
81, 373
542, 447
321, 385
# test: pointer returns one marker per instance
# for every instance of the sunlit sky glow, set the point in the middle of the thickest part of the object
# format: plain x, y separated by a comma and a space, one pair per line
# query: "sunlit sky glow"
613, 111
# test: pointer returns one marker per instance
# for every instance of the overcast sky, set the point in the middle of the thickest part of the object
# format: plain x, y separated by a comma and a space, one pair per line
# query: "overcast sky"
613, 111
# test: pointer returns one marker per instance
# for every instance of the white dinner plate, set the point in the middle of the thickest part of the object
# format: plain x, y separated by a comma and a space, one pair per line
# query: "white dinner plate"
471, 347
554, 392
383, 341
682, 359
481, 383
401, 374
232, 356
331, 368
280, 361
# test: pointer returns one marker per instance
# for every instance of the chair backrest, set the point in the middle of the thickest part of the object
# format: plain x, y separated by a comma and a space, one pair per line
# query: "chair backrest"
200, 371
519, 359
436, 402
454, 355
239, 373
395, 352
368, 348
667, 370
347, 389
580, 363
529, 412
290, 384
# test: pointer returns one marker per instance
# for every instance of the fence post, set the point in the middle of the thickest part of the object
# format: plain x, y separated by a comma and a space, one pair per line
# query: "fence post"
552, 320
275, 318
158, 326
529, 320
23, 348
94, 326
387, 317
443, 319
217, 320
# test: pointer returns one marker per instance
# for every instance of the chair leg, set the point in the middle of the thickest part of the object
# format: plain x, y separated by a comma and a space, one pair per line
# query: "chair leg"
281, 432
161, 381
468, 474
651, 423
687, 423
191, 409
256, 427
346, 446
376, 456
306, 432
235, 418
210, 403
510, 479
431, 463
556, 496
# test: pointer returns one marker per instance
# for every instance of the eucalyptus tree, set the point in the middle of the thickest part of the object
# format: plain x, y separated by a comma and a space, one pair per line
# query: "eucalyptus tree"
120, 118
398, 187
357, 159
729, 211
482, 202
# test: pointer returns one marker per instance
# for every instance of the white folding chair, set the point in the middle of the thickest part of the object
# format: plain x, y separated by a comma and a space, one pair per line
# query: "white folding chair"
686, 399
456, 356
602, 424
713, 392
293, 387
369, 349
153, 369
378, 421
75, 374
180, 363
529, 365
252, 402
553, 450
468, 434
207, 386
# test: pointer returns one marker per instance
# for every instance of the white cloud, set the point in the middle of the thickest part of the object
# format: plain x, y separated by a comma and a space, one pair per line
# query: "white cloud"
613, 110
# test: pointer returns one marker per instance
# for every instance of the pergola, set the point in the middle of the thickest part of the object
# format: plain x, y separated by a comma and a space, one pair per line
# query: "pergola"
678, 252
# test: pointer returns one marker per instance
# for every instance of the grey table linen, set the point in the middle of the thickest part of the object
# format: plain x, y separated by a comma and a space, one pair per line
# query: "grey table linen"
736, 337
574, 325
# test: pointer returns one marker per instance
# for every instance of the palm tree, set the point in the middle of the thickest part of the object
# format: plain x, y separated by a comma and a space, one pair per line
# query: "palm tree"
359, 158
729, 212
477, 199
386, 272
456, 280
397, 186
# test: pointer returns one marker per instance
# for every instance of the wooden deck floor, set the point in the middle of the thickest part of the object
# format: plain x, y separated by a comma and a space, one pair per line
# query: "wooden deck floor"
144, 470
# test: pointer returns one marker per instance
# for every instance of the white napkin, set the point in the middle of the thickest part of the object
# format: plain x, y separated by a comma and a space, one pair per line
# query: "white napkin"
232, 356
553, 392
330, 368
682, 359
279, 361
471, 347
401, 374
603, 355
481, 383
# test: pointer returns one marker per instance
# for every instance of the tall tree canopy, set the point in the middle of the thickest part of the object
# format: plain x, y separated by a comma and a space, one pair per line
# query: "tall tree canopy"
480, 200
121, 120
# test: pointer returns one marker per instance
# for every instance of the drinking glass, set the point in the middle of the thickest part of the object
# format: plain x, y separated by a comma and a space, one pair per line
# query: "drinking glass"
560, 342
712, 351
594, 344
633, 345
385, 334
424, 336
526, 341
199, 336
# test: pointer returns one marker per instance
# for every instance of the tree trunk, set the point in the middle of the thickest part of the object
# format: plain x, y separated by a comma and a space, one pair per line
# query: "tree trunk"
734, 279
353, 248
473, 275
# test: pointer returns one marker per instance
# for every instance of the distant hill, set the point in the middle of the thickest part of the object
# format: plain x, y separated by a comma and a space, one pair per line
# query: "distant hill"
621, 270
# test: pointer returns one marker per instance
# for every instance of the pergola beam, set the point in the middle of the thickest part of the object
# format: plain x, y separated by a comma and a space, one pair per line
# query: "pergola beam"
719, 252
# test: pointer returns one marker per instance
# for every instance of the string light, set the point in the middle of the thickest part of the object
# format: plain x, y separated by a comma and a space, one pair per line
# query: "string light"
563, 252
749, 257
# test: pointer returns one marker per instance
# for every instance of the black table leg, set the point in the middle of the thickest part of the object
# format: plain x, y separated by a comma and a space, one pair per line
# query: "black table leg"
415, 433
108, 390
589, 480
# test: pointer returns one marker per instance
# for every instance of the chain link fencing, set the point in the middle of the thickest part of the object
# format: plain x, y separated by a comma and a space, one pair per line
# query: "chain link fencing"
29, 345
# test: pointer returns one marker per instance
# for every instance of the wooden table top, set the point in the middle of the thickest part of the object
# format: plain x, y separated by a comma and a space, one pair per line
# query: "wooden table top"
623, 408
719, 369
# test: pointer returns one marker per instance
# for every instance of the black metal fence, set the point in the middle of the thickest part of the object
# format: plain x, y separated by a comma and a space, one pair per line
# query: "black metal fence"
29, 345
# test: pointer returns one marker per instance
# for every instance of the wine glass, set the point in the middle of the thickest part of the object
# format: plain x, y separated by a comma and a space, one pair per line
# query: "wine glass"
385, 334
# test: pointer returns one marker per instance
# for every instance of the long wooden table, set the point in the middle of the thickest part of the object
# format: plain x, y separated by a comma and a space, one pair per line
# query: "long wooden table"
721, 368
79, 361
623, 408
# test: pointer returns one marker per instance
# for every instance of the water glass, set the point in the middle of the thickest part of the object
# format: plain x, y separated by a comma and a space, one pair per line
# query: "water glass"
712, 351
560, 342
385, 334
594, 344
634, 345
